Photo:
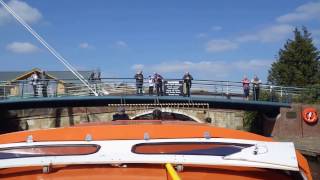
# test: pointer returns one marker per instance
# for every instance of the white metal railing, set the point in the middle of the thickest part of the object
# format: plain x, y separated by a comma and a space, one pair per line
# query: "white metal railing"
127, 86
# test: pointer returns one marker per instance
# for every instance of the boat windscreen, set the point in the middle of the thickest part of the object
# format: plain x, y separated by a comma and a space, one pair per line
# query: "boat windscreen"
48, 150
190, 148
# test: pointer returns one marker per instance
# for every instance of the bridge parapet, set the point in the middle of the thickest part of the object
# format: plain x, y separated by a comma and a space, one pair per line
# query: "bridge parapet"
127, 87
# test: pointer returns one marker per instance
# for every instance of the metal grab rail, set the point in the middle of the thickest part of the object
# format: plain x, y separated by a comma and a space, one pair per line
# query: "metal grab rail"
127, 86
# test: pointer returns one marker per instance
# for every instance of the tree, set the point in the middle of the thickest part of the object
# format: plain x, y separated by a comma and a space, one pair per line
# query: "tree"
297, 63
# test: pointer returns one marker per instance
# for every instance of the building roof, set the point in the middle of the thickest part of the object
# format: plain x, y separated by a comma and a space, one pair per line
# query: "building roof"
58, 75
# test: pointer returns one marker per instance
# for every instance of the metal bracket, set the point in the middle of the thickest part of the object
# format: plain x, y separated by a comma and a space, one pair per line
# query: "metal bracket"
47, 169
30, 139
146, 136
207, 135
88, 137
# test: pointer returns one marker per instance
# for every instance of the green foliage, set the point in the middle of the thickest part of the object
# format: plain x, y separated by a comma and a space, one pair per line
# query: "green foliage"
264, 95
310, 95
297, 63
248, 119
253, 122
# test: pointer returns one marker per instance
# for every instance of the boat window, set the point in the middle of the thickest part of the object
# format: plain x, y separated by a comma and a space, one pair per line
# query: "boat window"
189, 148
48, 150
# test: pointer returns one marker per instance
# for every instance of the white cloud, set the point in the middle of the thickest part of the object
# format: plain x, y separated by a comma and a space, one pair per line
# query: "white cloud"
280, 32
308, 11
252, 65
121, 44
272, 33
137, 67
219, 45
316, 36
216, 28
315, 32
22, 47
202, 35
269, 34
202, 68
85, 45
24, 10
208, 69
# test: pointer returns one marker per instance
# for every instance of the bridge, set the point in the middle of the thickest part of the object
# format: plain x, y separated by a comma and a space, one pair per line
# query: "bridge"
70, 92
220, 102
69, 102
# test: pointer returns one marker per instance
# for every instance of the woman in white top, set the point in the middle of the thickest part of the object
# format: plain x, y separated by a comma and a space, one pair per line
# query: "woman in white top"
34, 83
151, 85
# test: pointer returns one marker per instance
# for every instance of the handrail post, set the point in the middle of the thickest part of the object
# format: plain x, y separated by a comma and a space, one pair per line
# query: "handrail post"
124, 90
2, 95
221, 88
281, 93
227, 88
4, 92
56, 93
22, 89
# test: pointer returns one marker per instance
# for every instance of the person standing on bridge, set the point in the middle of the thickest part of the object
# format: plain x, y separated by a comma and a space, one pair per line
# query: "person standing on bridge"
44, 83
246, 87
151, 85
139, 82
34, 82
256, 87
187, 82
158, 81
92, 81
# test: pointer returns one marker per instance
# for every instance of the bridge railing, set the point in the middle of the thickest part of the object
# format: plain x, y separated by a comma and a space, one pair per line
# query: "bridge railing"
127, 86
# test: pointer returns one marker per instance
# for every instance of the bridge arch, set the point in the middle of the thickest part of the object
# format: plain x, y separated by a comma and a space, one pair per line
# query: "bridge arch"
166, 110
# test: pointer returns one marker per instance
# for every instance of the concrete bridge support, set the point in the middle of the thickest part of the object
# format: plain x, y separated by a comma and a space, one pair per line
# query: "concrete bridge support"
60, 117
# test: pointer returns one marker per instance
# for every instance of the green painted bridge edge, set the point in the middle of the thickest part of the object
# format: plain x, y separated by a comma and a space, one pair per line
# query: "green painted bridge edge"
91, 101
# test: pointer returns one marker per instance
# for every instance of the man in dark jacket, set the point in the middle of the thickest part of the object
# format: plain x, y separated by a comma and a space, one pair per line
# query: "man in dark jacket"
45, 83
187, 82
139, 82
256, 87
158, 82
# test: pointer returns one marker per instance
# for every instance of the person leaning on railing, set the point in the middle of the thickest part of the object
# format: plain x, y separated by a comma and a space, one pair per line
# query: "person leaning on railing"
246, 87
256, 87
151, 85
158, 82
44, 83
139, 82
34, 82
187, 82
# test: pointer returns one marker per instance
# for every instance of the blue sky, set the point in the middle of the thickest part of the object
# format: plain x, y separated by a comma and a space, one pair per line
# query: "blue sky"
221, 40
